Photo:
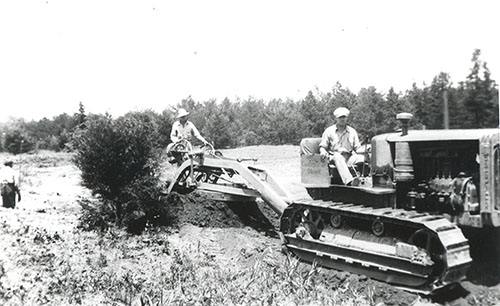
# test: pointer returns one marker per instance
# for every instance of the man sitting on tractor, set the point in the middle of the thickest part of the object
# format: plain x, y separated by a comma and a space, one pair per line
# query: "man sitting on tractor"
182, 130
339, 144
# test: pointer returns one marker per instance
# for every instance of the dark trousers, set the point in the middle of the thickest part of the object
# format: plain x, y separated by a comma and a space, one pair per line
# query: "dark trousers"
9, 196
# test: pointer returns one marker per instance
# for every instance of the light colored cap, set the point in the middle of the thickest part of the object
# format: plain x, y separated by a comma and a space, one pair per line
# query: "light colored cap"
182, 113
341, 111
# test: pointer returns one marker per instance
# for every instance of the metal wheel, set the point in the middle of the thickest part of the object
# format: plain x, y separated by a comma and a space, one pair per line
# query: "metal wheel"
425, 240
378, 227
201, 176
336, 220
184, 176
208, 175
182, 185
310, 220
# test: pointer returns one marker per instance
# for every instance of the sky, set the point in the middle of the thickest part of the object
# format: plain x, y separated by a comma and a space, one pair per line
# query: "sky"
120, 55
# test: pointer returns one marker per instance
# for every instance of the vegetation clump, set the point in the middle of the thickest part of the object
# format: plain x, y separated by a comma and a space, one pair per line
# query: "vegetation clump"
119, 163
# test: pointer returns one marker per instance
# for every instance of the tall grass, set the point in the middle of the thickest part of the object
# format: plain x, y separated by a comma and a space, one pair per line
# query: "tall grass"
114, 268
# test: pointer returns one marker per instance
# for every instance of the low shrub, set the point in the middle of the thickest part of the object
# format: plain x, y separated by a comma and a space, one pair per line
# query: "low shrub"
95, 216
119, 161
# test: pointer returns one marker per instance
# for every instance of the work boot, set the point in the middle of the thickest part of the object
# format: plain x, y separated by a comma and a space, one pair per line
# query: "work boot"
354, 182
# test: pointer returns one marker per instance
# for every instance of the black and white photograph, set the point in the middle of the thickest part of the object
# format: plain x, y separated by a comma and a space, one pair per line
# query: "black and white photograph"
158, 153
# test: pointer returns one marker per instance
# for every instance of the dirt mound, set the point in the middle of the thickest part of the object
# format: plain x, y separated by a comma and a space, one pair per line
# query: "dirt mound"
197, 209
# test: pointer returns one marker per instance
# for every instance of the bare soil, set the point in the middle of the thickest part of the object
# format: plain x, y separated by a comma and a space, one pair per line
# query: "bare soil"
41, 235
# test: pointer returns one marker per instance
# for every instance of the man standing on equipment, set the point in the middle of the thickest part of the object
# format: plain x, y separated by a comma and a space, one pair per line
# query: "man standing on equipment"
339, 144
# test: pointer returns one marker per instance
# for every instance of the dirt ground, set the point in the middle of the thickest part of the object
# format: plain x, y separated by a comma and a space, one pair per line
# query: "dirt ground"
234, 235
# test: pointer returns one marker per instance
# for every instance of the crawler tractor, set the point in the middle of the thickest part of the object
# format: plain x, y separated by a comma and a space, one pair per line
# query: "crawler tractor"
400, 225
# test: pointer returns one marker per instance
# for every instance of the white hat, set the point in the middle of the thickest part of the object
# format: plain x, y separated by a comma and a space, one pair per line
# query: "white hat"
341, 111
182, 113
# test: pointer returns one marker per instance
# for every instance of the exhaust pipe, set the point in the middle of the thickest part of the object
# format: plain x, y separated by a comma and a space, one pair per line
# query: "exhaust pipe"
404, 118
403, 170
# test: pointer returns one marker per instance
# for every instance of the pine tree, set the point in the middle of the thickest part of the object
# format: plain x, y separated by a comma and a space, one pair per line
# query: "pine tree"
480, 95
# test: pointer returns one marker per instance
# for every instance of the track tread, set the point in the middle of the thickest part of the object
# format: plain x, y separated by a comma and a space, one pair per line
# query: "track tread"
456, 249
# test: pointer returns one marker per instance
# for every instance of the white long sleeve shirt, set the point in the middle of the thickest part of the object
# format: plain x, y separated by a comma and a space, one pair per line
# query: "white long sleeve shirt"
9, 175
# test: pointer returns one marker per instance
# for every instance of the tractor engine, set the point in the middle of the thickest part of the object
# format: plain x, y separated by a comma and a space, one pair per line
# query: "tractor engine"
439, 177
444, 195
449, 172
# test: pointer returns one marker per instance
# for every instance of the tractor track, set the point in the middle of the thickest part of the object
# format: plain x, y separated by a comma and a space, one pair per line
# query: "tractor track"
440, 238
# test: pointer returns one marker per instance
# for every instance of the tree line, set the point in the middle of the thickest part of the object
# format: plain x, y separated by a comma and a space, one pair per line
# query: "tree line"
471, 103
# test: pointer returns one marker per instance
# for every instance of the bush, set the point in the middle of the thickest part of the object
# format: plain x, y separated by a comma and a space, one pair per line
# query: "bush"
95, 215
17, 142
119, 160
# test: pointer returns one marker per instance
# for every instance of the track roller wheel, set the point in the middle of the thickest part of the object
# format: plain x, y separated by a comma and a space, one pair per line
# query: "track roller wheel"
336, 220
378, 227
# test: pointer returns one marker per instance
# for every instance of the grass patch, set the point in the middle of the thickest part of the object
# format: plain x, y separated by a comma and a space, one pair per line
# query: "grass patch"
115, 268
